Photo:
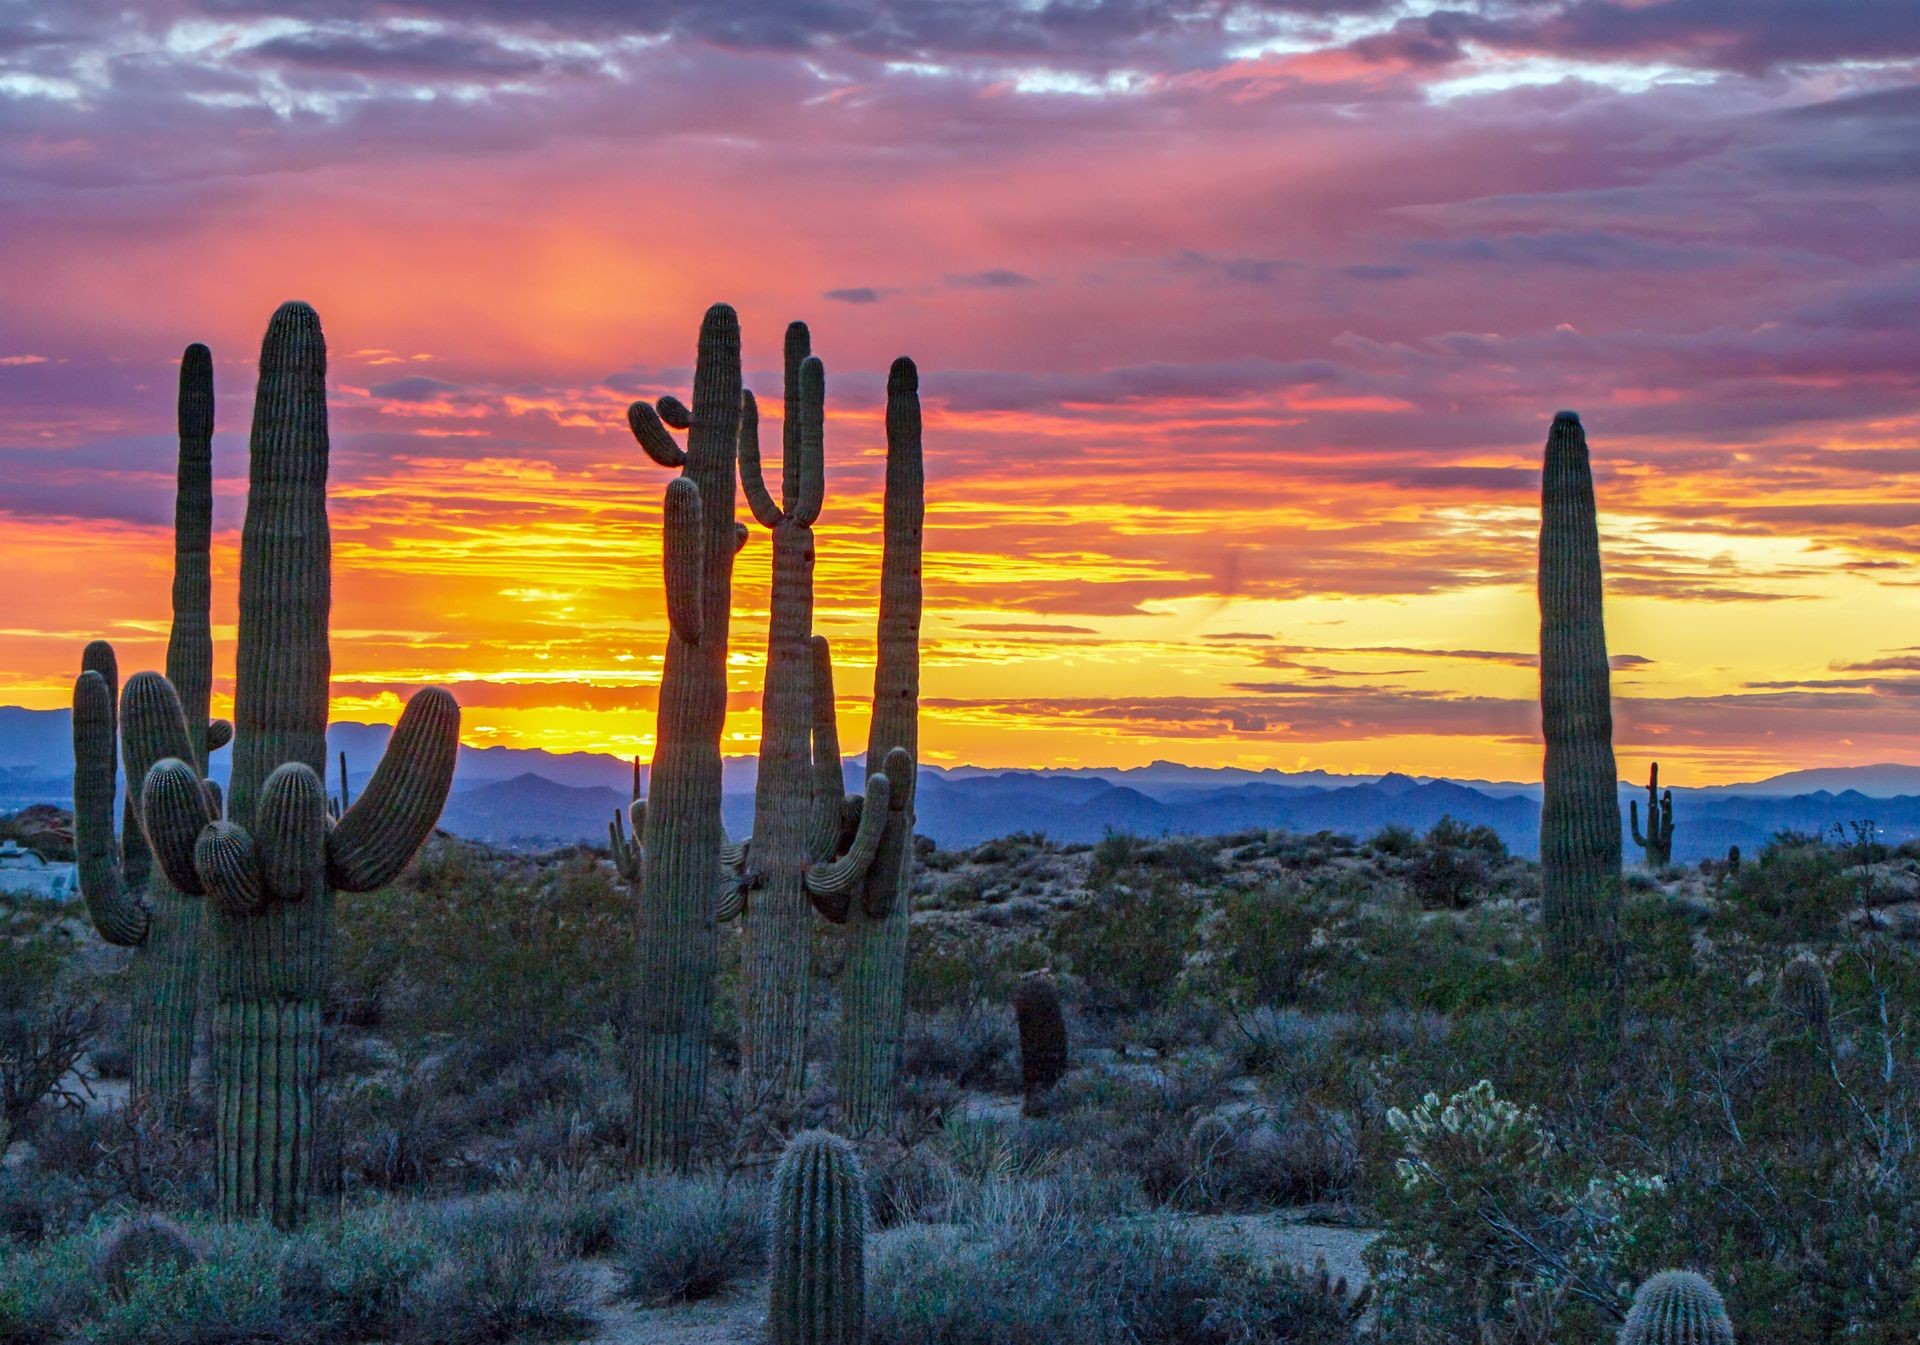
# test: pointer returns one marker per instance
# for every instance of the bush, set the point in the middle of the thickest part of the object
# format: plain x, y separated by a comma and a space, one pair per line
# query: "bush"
1130, 944
1267, 951
1053, 1277
46, 1027
685, 1239
1454, 864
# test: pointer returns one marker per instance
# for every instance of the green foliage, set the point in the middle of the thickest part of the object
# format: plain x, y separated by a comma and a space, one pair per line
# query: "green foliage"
1454, 864
1265, 945
1131, 943
513, 955
1797, 888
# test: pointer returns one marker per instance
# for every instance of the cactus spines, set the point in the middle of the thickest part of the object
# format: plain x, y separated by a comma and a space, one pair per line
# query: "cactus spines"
819, 1288
873, 985
132, 905
270, 868
1804, 993
1043, 1035
1580, 807
1658, 842
679, 837
1677, 1307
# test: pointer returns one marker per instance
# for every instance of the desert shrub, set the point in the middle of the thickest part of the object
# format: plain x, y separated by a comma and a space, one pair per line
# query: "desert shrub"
962, 969
1048, 1276
509, 955
1131, 943
1394, 840
142, 1245
970, 1047
1454, 863
47, 1025
1491, 1208
501, 1279
43, 1291
1114, 852
1267, 950
684, 1239
1797, 886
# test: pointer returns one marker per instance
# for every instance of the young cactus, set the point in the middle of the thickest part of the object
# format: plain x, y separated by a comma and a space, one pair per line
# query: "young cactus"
1658, 842
1043, 1036
1677, 1307
270, 867
794, 857
130, 903
873, 984
1580, 805
819, 1294
675, 864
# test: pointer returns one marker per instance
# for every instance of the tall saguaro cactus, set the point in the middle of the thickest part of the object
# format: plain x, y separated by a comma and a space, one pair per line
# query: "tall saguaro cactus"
131, 904
269, 869
676, 864
798, 795
873, 985
1658, 842
1580, 807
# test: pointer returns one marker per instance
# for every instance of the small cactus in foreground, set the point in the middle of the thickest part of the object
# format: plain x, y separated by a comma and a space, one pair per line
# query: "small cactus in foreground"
819, 1292
1805, 994
1043, 1035
1677, 1307
1658, 842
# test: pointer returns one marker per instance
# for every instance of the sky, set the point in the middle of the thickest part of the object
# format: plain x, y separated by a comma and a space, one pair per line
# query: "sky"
1240, 327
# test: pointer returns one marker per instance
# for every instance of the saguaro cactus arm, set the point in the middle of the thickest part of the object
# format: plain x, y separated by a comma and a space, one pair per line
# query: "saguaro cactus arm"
683, 558
175, 809
648, 429
753, 480
117, 912
396, 811
630, 855
831, 885
829, 783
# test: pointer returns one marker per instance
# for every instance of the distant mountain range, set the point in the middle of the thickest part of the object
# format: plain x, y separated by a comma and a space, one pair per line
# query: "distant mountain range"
528, 798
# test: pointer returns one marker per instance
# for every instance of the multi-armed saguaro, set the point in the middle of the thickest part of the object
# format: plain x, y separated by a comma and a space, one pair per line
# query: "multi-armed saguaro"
676, 861
799, 797
269, 869
873, 985
1658, 842
132, 904
1580, 806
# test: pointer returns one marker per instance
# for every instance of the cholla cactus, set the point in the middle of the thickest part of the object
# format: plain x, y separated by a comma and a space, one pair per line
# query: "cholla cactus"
676, 863
1677, 1307
799, 798
270, 867
819, 1292
873, 984
1043, 1035
131, 904
1580, 804
1658, 842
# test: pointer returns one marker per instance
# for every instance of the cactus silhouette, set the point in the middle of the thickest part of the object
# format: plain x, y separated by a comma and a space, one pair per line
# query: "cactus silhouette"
1043, 1035
675, 860
1658, 842
130, 902
269, 869
1676, 1307
1580, 804
794, 855
873, 983
819, 1291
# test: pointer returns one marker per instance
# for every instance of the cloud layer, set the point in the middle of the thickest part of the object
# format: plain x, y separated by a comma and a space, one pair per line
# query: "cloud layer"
1239, 325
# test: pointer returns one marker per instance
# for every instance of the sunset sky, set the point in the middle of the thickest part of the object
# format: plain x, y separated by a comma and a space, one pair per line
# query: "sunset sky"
1239, 327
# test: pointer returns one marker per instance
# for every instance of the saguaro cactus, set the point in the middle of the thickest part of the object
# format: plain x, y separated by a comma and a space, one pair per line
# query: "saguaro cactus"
1043, 1036
1658, 842
1676, 1307
819, 1292
873, 984
270, 867
798, 795
1580, 807
676, 862
131, 904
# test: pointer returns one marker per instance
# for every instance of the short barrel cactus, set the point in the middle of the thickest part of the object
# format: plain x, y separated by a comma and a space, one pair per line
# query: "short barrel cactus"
1043, 1035
819, 1223
1677, 1307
